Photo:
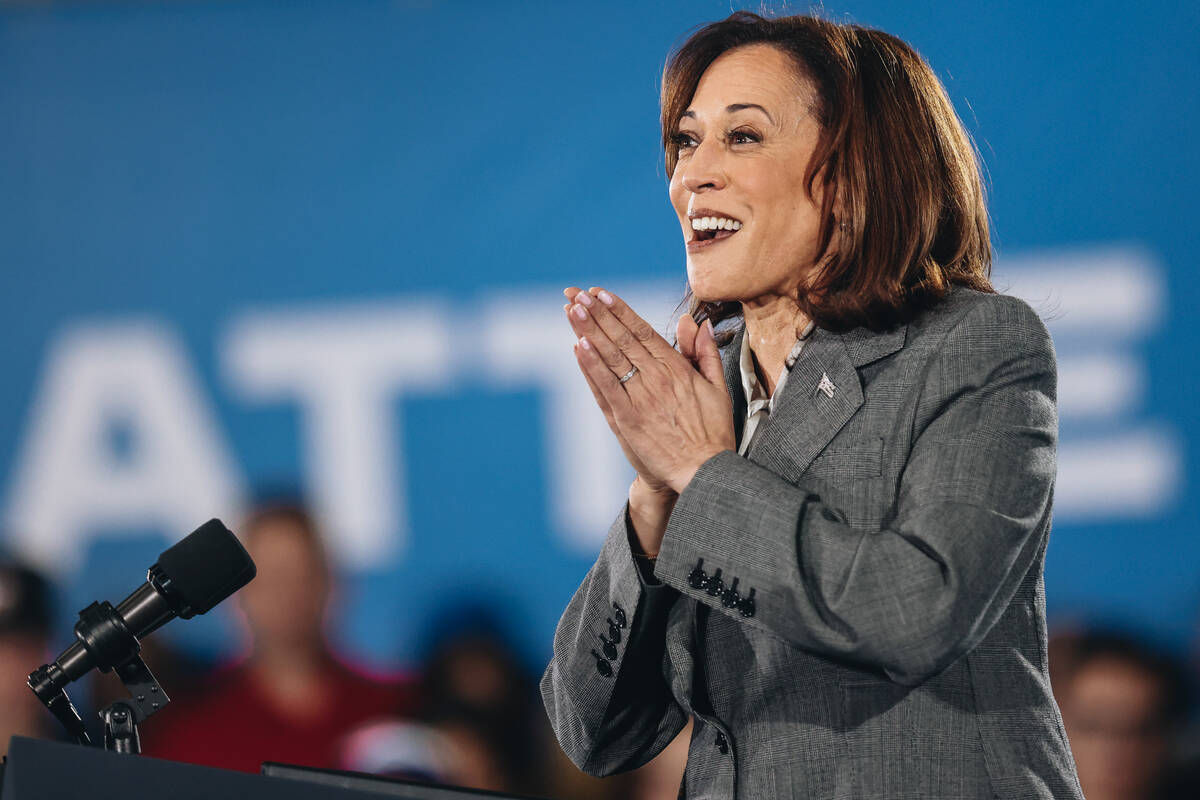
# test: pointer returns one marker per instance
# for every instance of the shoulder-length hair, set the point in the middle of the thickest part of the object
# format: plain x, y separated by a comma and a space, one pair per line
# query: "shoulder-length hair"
904, 215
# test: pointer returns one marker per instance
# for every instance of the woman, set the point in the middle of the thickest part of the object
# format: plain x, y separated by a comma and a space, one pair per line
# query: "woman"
831, 557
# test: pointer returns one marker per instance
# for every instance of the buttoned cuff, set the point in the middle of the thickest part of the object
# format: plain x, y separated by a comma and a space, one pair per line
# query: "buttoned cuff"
714, 548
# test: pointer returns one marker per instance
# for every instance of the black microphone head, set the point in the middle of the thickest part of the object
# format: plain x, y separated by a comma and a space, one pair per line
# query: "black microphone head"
202, 569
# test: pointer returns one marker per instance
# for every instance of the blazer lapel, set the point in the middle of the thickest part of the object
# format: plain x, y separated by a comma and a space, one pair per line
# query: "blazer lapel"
822, 393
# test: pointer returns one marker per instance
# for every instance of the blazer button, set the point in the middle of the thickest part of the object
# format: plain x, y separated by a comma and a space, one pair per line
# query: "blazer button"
614, 632
610, 649
698, 579
722, 743
716, 586
747, 605
621, 618
731, 598
602, 666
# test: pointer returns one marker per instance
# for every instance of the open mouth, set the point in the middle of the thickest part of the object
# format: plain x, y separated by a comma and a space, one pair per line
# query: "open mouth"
712, 228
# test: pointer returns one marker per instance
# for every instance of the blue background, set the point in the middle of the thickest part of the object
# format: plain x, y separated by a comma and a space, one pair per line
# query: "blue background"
193, 162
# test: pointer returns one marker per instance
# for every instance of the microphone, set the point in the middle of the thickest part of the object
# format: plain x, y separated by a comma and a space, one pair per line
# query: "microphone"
189, 578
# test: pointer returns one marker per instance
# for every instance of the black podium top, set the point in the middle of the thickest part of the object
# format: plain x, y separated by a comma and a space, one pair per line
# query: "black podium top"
39, 770
373, 785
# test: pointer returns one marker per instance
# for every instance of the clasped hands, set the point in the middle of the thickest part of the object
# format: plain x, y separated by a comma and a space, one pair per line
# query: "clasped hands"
675, 412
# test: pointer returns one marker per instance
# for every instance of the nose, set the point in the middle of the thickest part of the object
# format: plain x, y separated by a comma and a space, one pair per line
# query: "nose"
705, 169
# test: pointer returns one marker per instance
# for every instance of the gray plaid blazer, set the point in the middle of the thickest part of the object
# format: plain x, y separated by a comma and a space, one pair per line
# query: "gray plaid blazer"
856, 608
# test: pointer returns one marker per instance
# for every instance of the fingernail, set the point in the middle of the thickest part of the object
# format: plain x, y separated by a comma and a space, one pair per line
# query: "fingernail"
580, 312
585, 298
605, 297
584, 343
708, 325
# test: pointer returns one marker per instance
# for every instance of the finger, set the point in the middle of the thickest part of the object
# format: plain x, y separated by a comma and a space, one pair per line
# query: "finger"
585, 326
685, 335
636, 337
599, 373
570, 293
596, 393
708, 355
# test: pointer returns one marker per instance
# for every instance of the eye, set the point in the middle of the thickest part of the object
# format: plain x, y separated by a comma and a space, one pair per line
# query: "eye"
682, 140
743, 137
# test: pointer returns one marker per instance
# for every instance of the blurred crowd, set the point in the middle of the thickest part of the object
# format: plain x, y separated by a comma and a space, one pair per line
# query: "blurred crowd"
471, 716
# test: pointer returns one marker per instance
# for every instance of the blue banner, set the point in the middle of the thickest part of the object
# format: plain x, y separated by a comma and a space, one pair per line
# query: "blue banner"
320, 245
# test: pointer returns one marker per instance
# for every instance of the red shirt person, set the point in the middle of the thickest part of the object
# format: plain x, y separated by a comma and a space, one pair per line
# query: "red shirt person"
290, 699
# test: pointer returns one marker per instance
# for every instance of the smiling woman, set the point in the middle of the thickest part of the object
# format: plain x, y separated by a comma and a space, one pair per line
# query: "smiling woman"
831, 556
862, 161
732, 152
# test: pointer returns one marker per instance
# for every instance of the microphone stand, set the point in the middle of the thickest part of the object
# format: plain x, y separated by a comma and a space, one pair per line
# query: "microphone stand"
122, 717
113, 648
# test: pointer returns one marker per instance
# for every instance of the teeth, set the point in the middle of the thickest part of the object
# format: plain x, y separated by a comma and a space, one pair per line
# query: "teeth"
715, 223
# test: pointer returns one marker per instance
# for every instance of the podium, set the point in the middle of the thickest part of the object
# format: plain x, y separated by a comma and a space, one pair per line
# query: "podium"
40, 770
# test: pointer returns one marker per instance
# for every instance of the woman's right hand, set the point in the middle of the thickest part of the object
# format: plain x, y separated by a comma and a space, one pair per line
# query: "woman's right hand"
651, 481
651, 499
686, 332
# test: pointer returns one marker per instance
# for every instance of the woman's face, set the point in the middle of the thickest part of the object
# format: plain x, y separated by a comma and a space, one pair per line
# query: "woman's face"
744, 144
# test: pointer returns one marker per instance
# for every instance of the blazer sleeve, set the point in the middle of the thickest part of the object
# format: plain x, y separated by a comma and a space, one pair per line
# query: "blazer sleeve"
971, 512
604, 690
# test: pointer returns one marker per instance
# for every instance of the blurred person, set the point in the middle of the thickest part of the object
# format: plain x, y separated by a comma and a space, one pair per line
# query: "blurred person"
831, 558
1122, 703
479, 696
564, 779
415, 750
1061, 647
25, 627
290, 699
477, 724
1184, 781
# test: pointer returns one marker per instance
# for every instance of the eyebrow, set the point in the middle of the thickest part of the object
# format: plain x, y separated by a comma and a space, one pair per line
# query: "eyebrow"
736, 107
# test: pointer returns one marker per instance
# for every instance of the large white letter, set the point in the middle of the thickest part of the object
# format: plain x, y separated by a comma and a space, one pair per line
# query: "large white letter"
73, 477
345, 368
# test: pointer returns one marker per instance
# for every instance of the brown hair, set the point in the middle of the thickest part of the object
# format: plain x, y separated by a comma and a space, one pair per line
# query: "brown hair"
903, 194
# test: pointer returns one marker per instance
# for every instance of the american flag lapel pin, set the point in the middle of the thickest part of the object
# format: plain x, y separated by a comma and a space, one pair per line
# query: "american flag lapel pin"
826, 385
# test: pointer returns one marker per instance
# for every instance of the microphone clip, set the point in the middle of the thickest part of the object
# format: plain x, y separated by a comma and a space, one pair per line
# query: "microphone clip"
122, 717
113, 648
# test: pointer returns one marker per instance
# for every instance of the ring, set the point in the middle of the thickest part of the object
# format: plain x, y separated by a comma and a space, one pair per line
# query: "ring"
627, 375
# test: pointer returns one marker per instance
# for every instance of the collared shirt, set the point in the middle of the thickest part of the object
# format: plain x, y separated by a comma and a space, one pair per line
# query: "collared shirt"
758, 404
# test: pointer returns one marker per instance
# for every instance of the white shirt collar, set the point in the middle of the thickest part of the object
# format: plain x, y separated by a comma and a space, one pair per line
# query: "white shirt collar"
756, 395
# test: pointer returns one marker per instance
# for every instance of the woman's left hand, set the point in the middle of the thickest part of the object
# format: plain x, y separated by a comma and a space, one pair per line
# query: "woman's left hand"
673, 414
